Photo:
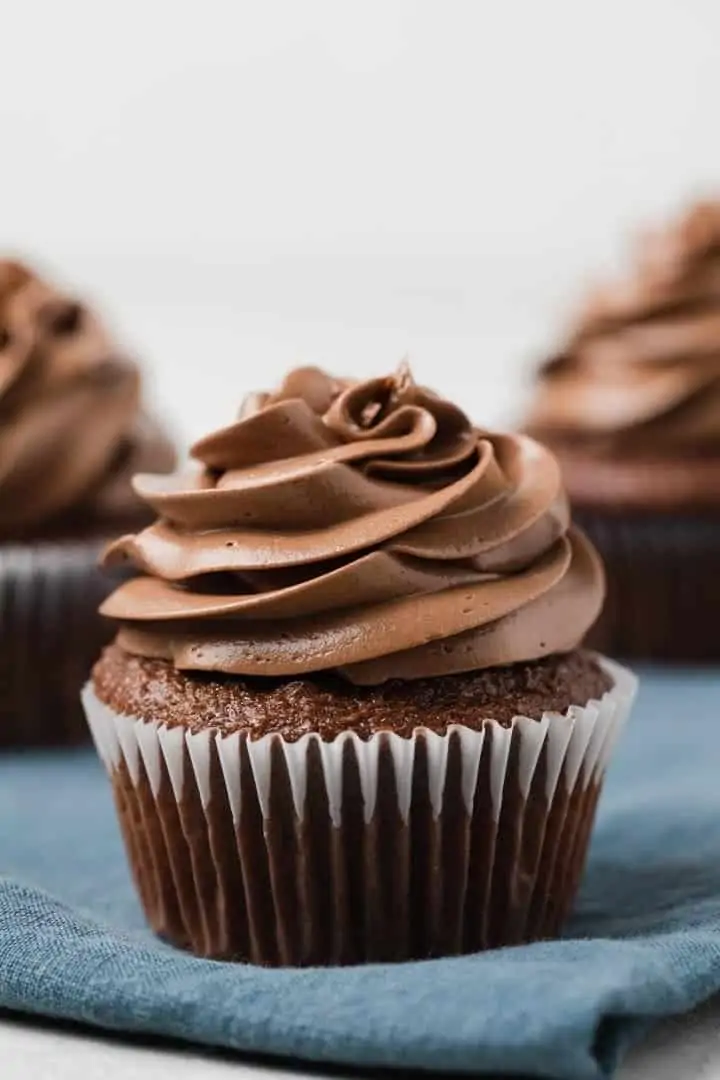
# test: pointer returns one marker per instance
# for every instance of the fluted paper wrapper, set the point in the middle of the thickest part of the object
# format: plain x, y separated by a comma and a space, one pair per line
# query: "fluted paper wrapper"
663, 584
50, 635
388, 848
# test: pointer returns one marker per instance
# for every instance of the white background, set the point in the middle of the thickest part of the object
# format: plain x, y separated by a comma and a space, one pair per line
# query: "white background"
245, 185
248, 185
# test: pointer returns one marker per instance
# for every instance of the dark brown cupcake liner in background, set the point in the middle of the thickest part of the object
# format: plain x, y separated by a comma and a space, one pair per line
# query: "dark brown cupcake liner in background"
50, 635
387, 849
663, 585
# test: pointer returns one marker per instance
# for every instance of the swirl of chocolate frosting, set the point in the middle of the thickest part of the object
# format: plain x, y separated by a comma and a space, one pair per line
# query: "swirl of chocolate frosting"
363, 527
640, 373
71, 430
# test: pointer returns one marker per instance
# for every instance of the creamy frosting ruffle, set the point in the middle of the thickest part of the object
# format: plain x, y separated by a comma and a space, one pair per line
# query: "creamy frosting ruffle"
640, 373
71, 430
362, 527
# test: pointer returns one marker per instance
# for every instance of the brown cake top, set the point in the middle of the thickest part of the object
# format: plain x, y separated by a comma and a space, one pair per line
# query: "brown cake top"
71, 429
639, 375
366, 527
326, 704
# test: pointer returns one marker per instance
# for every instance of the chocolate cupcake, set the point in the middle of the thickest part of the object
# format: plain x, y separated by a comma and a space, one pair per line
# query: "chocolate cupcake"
631, 407
72, 434
347, 716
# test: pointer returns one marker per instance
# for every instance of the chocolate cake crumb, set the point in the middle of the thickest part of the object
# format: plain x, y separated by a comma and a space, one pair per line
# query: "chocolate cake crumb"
326, 704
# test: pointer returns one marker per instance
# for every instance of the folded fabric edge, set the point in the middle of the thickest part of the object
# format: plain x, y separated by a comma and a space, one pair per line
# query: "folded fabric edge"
86, 973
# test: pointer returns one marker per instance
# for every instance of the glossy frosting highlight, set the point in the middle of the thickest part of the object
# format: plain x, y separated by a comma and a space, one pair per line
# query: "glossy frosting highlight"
363, 527
72, 433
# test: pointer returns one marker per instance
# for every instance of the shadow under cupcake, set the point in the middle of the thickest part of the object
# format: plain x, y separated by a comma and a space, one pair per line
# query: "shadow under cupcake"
631, 408
72, 434
347, 716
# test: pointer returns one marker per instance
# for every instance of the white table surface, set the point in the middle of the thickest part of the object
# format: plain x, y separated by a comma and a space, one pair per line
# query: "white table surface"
203, 349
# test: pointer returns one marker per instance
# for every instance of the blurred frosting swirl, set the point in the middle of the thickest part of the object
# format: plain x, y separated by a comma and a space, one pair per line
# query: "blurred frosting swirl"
72, 433
363, 527
640, 373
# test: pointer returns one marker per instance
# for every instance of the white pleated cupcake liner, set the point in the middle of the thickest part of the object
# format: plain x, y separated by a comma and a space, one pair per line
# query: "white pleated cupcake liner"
358, 849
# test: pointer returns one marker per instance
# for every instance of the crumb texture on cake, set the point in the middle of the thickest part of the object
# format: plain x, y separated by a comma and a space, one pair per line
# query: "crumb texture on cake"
328, 705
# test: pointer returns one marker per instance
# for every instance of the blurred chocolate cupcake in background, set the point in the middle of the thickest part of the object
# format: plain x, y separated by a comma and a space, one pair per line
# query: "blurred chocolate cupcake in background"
72, 434
631, 407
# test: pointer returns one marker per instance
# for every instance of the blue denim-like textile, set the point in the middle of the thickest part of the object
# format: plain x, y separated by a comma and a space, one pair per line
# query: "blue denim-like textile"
644, 942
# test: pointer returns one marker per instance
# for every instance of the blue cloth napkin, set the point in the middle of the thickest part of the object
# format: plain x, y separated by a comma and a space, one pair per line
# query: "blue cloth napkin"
645, 941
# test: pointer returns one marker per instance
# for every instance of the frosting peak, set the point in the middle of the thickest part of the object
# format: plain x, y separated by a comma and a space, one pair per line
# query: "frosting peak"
71, 430
365, 527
